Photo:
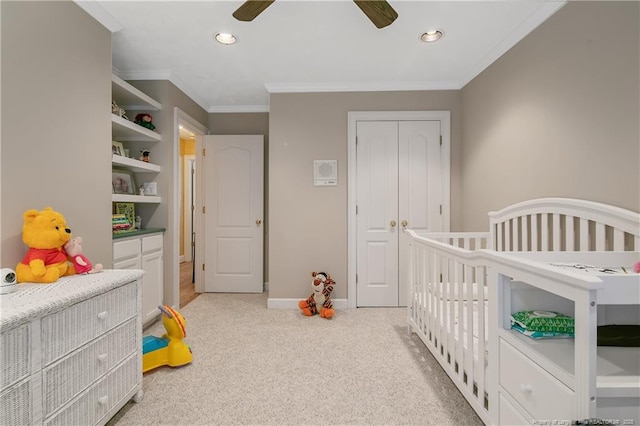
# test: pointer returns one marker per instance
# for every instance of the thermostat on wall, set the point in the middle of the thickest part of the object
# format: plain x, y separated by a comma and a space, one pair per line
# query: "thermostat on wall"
325, 172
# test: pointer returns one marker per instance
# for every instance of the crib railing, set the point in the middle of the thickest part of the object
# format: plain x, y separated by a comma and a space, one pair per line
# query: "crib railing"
447, 307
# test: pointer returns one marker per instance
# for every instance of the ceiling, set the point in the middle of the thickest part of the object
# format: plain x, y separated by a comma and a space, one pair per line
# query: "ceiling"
309, 46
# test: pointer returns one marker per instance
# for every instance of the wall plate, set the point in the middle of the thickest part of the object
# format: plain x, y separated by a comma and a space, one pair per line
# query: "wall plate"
325, 172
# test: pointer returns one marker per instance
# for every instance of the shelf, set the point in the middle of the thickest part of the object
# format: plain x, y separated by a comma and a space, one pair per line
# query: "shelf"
126, 198
128, 97
133, 164
127, 131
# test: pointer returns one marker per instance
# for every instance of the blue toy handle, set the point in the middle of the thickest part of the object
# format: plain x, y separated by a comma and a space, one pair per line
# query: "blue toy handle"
164, 311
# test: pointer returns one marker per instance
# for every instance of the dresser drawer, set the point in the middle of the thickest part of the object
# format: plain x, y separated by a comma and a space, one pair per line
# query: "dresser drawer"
541, 394
71, 328
126, 249
15, 352
71, 375
152, 243
15, 405
93, 404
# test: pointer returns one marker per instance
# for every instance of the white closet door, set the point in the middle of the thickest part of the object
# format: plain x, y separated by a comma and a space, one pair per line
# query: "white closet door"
377, 218
419, 187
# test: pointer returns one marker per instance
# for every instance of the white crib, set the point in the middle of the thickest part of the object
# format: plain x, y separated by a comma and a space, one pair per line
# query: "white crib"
464, 286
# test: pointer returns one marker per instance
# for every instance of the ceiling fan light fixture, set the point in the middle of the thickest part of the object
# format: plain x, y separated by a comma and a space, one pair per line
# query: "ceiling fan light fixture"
431, 36
225, 38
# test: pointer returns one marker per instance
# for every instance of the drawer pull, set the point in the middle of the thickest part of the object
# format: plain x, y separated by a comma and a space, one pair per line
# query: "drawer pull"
525, 388
103, 400
102, 357
103, 315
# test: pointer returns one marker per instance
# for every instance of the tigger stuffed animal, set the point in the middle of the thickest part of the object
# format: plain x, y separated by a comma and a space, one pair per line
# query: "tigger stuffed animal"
322, 286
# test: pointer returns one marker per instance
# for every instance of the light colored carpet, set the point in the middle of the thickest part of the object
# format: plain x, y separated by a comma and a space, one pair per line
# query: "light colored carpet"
259, 366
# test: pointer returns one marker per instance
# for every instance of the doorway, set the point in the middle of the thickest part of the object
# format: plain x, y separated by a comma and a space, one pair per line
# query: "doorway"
398, 179
187, 133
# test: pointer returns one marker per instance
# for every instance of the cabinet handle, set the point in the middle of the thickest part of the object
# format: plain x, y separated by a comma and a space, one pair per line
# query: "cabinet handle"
103, 400
102, 357
525, 388
103, 315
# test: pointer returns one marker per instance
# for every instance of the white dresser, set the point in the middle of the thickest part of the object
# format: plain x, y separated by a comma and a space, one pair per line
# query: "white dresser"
71, 351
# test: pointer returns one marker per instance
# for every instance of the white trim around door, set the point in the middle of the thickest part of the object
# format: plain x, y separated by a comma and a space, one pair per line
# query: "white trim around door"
353, 117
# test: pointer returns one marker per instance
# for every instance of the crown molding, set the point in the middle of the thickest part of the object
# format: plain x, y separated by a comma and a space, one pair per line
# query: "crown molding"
381, 86
239, 108
98, 13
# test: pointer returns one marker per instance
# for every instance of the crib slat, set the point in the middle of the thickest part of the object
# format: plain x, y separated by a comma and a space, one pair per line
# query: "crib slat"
545, 232
600, 237
463, 278
618, 240
636, 243
534, 233
556, 232
481, 318
516, 234
525, 233
507, 236
569, 233
584, 235
499, 246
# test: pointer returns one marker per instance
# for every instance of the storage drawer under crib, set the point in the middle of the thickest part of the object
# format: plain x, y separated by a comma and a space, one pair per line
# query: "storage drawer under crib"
68, 377
96, 402
71, 328
542, 395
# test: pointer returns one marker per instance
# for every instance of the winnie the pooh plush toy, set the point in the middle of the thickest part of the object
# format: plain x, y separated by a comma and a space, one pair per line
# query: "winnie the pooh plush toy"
45, 233
322, 286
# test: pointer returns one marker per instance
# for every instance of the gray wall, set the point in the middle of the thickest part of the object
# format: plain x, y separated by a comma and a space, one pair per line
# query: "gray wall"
248, 123
557, 115
307, 224
56, 123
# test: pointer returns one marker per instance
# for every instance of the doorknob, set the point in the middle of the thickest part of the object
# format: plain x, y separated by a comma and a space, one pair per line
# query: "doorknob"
404, 223
258, 221
393, 223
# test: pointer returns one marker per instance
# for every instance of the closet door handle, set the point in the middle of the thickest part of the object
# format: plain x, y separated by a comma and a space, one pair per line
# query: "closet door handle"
393, 223
404, 223
258, 221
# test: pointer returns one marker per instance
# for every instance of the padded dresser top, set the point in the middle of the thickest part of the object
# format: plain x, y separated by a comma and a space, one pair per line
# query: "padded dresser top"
31, 301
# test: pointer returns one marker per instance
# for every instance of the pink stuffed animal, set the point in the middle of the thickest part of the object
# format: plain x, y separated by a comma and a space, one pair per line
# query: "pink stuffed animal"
74, 250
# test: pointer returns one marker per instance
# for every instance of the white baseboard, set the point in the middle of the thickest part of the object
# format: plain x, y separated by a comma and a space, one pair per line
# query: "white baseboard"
273, 303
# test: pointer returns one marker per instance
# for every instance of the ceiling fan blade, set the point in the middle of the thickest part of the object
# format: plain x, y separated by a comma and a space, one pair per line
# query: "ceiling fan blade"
250, 9
379, 12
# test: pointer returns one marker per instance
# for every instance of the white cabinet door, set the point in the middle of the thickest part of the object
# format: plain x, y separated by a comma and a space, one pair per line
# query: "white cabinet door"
144, 253
152, 281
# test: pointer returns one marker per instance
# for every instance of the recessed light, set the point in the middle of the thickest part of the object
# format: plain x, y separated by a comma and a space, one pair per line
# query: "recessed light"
226, 38
431, 35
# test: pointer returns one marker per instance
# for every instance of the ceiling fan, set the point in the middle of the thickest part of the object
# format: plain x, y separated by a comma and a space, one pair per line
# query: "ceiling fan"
379, 12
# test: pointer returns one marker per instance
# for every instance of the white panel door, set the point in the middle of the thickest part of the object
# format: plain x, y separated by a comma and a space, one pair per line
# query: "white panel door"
399, 186
419, 187
233, 201
377, 218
